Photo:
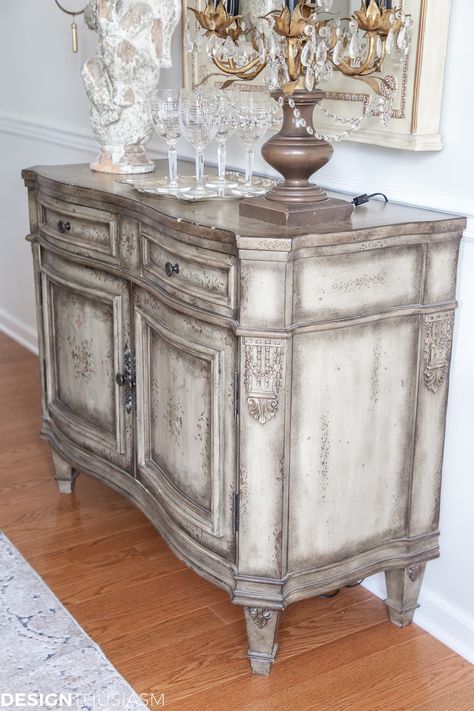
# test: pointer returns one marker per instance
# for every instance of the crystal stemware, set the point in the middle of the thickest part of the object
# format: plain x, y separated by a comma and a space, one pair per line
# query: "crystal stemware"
199, 126
254, 114
225, 130
165, 110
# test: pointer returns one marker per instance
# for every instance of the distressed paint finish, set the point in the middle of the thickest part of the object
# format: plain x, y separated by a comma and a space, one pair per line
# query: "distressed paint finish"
129, 248
263, 296
262, 478
262, 628
403, 588
80, 230
441, 268
204, 278
348, 285
438, 338
306, 372
185, 419
64, 474
437, 332
86, 327
180, 411
263, 374
352, 406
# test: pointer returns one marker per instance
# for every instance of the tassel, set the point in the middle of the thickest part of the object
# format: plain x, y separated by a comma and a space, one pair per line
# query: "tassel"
75, 43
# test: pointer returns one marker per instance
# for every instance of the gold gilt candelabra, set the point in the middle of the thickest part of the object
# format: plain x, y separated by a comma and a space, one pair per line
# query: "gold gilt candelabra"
298, 48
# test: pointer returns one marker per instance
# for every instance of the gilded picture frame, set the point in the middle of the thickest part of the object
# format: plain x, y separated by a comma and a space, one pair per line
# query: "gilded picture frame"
416, 113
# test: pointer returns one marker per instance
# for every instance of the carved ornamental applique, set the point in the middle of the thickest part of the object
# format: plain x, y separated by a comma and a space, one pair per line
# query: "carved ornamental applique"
259, 616
262, 376
416, 571
437, 353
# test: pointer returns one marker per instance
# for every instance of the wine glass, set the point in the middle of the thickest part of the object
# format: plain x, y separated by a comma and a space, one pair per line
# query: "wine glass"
254, 114
225, 130
165, 112
197, 119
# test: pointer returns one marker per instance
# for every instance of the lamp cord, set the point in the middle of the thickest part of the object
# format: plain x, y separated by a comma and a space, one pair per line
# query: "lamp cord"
362, 199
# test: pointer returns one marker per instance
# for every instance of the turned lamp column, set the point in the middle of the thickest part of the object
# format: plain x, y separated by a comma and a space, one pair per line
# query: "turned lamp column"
387, 4
232, 6
297, 155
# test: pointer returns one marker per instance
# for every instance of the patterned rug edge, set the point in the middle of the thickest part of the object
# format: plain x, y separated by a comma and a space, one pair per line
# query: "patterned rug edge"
134, 701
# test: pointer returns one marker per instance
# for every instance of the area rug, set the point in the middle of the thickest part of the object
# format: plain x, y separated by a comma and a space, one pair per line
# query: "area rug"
46, 658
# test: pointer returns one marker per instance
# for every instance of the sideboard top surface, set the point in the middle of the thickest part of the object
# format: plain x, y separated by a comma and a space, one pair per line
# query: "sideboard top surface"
222, 222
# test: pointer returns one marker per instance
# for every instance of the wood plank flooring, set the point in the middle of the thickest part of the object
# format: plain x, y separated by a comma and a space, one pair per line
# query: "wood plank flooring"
169, 631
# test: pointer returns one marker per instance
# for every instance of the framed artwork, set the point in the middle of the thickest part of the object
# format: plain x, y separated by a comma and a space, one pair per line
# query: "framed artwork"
416, 112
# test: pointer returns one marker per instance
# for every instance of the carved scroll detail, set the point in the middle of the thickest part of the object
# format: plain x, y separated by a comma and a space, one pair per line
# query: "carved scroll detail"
437, 353
416, 571
262, 376
259, 616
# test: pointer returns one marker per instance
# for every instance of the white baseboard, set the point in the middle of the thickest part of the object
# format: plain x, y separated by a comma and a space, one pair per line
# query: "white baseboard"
437, 616
21, 332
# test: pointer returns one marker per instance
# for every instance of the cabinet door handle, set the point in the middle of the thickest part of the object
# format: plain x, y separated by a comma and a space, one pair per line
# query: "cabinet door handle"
64, 226
171, 269
126, 379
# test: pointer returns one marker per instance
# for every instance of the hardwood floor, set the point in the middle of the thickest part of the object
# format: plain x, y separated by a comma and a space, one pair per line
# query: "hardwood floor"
167, 630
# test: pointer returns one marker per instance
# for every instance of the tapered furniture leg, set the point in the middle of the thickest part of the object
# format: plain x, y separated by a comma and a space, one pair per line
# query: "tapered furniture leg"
403, 589
262, 628
64, 473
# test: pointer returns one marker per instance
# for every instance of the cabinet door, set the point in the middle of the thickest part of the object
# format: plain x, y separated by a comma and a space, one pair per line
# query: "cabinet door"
87, 330
186, 425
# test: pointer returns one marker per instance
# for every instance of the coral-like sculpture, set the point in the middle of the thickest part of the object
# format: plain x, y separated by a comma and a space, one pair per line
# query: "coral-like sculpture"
134, 43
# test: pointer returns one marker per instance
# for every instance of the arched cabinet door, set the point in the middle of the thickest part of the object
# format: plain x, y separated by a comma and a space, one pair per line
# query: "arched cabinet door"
185, 418
87, 336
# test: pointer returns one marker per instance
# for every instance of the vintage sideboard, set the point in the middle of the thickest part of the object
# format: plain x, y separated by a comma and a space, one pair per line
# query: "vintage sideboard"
274, 401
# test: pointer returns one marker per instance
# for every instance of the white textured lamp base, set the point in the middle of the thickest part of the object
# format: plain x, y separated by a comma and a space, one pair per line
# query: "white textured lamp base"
131, 159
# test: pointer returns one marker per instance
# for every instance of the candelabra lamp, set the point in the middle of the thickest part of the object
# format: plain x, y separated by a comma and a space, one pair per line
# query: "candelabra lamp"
298, 46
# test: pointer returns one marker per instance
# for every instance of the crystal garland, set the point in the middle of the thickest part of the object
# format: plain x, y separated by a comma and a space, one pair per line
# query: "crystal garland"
355, 123
384, 104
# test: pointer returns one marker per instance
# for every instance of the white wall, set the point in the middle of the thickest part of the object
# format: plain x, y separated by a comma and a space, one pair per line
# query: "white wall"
43, 119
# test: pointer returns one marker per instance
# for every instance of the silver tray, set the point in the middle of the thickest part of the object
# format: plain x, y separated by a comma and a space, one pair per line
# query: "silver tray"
152, 185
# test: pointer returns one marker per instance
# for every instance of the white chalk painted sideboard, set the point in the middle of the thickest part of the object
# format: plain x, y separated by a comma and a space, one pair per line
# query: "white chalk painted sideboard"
274, 402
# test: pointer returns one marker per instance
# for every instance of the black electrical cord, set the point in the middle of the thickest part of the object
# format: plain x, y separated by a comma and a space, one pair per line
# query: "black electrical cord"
362, 199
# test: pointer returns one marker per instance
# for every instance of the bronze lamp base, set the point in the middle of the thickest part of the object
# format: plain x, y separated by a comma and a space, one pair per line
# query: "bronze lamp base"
304, 215
296, 154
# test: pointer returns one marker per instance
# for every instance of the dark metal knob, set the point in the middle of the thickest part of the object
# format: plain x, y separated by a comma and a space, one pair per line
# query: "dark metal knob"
171, 269
120, 379
64, 226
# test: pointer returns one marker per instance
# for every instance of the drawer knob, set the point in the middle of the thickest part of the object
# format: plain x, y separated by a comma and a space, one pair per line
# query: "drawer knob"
171, 269
64, 226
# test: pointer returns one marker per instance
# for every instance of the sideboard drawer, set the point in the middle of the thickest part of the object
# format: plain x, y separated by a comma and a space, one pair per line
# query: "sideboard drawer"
79, 229
194, 275
347, 285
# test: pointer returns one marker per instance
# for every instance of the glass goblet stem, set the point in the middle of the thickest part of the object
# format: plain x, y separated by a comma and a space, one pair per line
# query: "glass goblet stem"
249, 166
221, 159
199, 169
173, 165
